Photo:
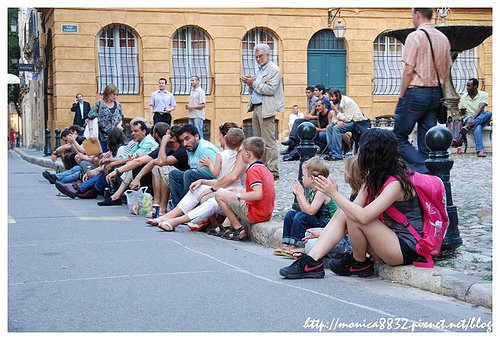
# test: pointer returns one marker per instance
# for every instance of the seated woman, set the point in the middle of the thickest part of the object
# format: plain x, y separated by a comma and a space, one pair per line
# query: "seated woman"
379, 158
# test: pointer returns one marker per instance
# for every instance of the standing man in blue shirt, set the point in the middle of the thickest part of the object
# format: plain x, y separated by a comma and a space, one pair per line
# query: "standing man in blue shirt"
266, 89
161, 104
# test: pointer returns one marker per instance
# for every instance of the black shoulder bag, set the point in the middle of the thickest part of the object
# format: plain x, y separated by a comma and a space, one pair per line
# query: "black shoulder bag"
443, 109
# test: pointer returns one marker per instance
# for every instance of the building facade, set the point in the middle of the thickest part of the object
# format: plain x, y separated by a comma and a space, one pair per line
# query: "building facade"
83, 49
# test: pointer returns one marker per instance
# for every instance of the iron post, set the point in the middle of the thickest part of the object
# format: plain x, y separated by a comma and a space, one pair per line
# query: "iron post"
306, 148
438, 140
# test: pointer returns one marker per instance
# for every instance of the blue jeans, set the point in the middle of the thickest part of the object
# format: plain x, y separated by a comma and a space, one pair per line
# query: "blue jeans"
70, 175
179, 182
419, 105
198, 123
321, 140
97, 182
295, 225
334, 138
478, 126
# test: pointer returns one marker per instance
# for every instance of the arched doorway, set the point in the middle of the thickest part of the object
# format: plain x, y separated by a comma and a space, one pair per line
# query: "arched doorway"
326, 60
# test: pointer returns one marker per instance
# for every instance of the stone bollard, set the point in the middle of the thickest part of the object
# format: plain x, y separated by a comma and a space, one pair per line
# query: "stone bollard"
438, 140
58, 137
306, 148
48, 149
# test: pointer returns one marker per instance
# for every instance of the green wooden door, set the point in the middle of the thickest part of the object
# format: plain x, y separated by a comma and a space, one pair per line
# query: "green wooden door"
326, 61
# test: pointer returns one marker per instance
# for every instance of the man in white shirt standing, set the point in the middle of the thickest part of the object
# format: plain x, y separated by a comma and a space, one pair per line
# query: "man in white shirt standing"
161, 104
196, 107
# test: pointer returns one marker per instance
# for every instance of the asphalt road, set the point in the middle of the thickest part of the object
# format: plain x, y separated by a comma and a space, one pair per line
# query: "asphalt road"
76, 267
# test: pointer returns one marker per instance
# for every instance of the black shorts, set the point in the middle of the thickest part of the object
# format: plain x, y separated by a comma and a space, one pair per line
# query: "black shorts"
409, 254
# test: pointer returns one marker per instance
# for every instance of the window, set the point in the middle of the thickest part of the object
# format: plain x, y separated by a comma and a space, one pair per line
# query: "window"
387, 66
252, 38
464, 68
118, 59
190, 57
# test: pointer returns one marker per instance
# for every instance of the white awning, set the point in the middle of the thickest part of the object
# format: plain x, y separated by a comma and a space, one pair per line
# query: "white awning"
13, 79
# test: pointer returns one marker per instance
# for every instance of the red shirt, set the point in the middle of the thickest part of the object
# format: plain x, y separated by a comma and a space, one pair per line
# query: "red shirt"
261, 210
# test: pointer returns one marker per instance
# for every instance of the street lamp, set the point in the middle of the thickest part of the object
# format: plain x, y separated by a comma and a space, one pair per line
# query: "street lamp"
339, 25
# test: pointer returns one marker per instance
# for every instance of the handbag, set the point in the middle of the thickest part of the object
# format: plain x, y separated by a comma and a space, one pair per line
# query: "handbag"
443, 109
92, 126
91, 148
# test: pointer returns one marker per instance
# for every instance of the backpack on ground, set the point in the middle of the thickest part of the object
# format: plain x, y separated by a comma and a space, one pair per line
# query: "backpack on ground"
432, 197
458, 137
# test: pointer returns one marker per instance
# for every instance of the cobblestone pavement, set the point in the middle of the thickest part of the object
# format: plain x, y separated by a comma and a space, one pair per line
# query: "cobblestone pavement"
471, 184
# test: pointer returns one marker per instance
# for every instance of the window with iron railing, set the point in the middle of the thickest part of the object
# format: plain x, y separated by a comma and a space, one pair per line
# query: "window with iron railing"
252, 38
190, 57
118, 62
388, 67
464, 68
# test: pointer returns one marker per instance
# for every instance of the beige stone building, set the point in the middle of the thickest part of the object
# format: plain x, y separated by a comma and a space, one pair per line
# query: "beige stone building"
84, 49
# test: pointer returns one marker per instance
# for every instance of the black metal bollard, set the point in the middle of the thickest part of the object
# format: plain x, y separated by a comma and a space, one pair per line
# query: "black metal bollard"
438, 140
18, 138
306, 148
48, 149
58, 137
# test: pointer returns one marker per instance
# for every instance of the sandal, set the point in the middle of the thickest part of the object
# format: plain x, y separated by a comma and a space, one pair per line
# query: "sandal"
166, 226
234, 234
218, 231
154, 221
287, 253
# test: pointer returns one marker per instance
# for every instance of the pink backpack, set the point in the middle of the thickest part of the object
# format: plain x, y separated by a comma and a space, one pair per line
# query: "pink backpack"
432, 196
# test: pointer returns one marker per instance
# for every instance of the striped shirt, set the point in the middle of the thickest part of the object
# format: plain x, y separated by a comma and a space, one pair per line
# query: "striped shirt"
417, 54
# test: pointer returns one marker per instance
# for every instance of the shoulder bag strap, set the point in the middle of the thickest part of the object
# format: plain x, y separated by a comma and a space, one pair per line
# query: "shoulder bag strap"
433, 60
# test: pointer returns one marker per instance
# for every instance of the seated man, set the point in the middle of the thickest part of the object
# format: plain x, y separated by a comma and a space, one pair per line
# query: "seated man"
294, 116
66, 149
472, 103
346, 112
127, 171
324, 117
170, 154
179, 181
293, 139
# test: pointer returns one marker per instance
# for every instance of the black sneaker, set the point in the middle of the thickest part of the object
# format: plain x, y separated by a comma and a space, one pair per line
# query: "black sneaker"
109, 202
348, 266
304, 267
66, 189
49, 177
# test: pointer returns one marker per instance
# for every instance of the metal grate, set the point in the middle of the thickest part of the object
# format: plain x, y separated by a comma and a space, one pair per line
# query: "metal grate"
387, 66
325, 40
118, 59
464, 68
252, 38
190, 57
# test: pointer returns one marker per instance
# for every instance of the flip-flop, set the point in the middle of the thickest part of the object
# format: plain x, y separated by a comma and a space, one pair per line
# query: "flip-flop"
166, 226
279, 252
287, 253
154, 221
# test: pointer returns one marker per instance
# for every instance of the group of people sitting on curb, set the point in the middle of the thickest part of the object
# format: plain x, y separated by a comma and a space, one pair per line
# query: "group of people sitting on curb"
230, 190
191, 180
338, 120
